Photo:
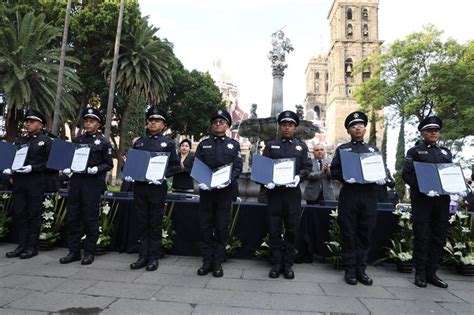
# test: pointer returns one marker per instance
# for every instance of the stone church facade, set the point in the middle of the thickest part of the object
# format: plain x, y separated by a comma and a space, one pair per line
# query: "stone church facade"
330, 78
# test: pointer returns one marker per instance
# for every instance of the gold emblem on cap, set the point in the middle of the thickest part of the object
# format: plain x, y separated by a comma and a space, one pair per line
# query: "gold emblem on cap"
356, 115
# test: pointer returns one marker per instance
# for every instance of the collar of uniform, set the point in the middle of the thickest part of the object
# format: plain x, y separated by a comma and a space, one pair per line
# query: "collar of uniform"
358, 142
429, 145
93, 135
33, 135
218, 137
290, 140
155, 136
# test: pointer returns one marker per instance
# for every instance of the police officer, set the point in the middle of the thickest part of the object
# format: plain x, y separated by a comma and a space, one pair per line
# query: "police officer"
29, 184
149, 197
85, 190
430, 211
215, 204
357, 204
284, 202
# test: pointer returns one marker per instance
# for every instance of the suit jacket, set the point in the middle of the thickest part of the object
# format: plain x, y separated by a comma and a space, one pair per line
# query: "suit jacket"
318, 180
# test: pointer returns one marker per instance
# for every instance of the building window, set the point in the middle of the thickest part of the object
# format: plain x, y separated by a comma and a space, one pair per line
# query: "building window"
349, 30
365, 14
349, 14
317, 111
316, 75
365, 75
348, 67
365, 31
316, 87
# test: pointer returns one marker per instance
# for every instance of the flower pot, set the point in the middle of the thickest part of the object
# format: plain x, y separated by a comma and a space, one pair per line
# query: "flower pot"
466, 270
405, 266
100, 250
45, 245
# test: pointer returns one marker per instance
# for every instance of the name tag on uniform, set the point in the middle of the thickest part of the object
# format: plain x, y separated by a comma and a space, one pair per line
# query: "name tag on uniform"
422, 152
275, 146
346, 149
207, 146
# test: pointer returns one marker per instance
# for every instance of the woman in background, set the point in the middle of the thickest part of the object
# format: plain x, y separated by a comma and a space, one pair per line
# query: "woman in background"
182, 181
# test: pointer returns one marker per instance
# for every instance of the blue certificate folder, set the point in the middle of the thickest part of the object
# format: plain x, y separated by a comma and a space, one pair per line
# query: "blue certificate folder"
137, 163
351, 166
262, 169
202, 173
428, 178
61, 155
8, 155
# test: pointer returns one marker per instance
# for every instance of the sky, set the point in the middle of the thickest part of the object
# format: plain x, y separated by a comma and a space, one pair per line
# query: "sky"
239, 34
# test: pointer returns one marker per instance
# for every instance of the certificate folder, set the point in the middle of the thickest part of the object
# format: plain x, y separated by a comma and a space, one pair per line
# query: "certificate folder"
204, 175
443, 178
8, 155
263, 170
354, 165
138, 163
60, 155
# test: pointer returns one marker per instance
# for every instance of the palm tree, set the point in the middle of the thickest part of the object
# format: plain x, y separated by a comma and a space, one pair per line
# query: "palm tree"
29, 65
144, 68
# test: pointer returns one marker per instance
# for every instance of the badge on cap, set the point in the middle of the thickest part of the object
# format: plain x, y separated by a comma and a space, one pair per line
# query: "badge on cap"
299, 148
41, 143
219, 112
164, 144
90, 111
356, 115
97, 142
230, 146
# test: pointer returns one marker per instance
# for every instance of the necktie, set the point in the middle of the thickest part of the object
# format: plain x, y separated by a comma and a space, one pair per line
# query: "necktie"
320, 165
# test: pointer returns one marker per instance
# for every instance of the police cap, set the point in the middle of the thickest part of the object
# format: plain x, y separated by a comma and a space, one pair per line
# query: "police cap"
154, 112
222, 113
355, 118
432, 122
94, 114
32, 114
290, 116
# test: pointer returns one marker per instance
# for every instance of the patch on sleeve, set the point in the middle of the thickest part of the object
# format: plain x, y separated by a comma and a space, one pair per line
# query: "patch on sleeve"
408, 158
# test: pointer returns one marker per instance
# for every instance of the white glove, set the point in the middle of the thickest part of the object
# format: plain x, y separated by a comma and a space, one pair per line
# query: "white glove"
223, 186
463, 194
92, 170
380, 182
7, 171
295, 183
154, 182
350, 180
67, 171
432, 193
129, 179
24, 169
270, 185
203, 186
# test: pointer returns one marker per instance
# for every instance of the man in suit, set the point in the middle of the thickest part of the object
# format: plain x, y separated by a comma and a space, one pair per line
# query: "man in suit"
319, 186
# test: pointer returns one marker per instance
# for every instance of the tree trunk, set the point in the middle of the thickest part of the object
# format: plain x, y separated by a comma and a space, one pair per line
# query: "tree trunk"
123, 128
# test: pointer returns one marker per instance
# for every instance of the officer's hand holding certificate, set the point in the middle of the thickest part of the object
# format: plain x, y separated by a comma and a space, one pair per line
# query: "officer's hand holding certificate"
20, 157
80, 158
221, 177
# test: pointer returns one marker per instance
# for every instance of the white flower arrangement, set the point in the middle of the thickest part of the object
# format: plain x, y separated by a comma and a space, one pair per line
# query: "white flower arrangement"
53, 217
401, 249
460, 244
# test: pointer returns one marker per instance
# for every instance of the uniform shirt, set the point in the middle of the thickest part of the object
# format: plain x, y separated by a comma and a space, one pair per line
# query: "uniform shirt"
160, 143
101, 151
217, 151
39, 146
426, 153
291, 148
353, 146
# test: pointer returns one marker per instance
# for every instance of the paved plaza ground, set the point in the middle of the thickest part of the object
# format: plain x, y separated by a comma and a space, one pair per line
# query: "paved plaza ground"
108, 286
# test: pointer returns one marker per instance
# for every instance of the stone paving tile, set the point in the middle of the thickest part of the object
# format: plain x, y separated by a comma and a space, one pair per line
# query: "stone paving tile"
73, 285
36, 283
201, 309
268, 286
461, 285
358, 290
122, 290
326, 304
188, 270
214, 297
12, 311
385, 306
106, 275
56, 270
127, 306
330, 276
424, 294
188, 261
8, 295
55, 302
459, 308
467, 296
393, 282
176, 280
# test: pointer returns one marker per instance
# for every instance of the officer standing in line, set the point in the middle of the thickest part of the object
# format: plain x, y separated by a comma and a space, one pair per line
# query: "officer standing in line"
215, 204
149, 197
85, 190
284, 202
29, 184
357, 204
430, 211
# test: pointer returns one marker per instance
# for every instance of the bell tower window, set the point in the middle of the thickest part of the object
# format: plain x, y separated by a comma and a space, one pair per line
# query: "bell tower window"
348, 67
365, 14
349, 14
365, 31
349, 30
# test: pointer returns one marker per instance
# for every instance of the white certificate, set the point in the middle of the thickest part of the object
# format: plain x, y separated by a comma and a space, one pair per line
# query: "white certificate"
284, 172
452, 178
156, 167
373, 168
80, 158
20, 158
221, 176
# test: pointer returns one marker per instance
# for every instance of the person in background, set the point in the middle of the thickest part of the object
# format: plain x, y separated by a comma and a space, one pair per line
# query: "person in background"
319, 186
383, 192
182, 181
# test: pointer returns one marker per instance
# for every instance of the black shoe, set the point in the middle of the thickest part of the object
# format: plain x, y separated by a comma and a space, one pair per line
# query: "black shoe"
15, 253
288, 273
274, 272
217, 271
87, 259
152, 265
420, 280
70, 258
30, 252
140, 263
205, 269
437, 282
363, 278
350, 277
301, 259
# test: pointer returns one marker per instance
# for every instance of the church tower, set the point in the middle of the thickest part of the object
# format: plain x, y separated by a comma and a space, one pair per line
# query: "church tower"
353, 36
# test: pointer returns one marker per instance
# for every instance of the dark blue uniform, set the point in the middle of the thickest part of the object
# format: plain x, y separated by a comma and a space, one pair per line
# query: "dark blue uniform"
215, 205
430, 214
84, 195
149, 199
28, 190
357, 208
284, 203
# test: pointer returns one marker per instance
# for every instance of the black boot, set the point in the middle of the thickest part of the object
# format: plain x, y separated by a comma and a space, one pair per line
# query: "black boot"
205, 269
152, 265
434, 280
217, 270
70, 258
28, 253
363, 278
274, 272
288, 273
87, 259
350, 277
140, 263
15, 253
420, 279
